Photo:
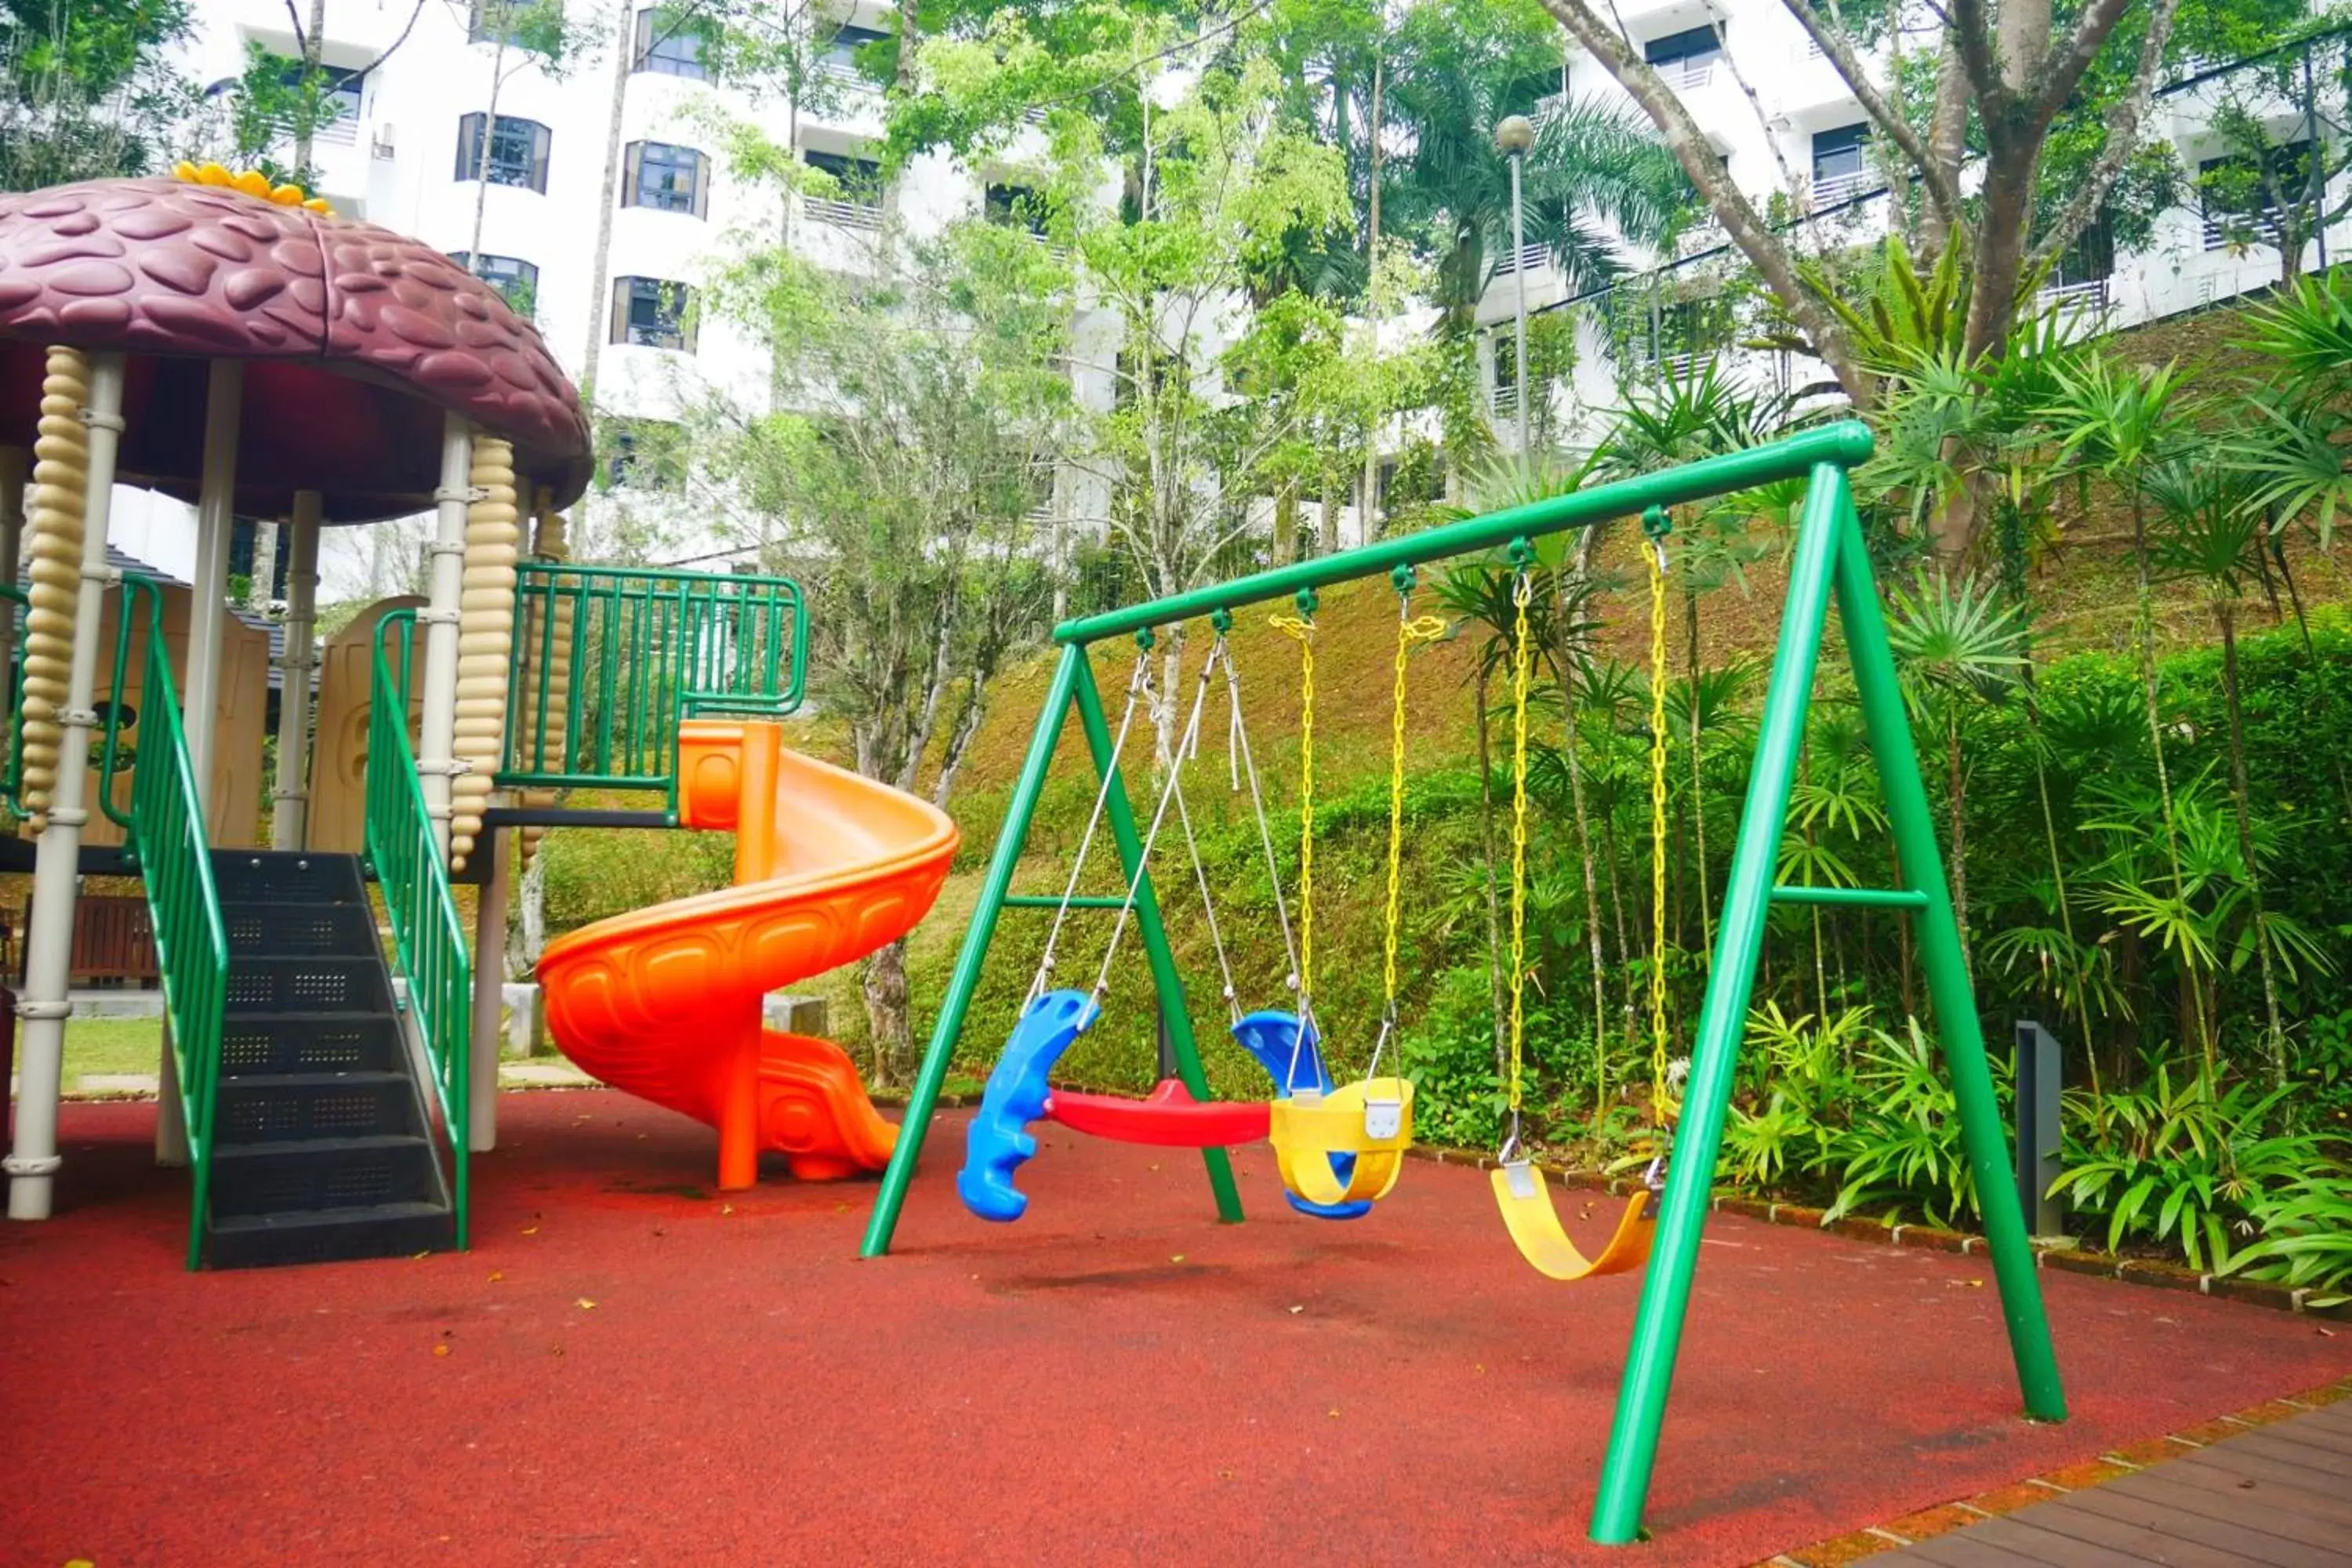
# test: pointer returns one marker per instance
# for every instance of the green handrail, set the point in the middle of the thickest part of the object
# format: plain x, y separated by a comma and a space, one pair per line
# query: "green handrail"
165, 837
410, 867
646, 647
12, 780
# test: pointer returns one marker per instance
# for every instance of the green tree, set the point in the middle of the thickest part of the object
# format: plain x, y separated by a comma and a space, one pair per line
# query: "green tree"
912, 412
87, 90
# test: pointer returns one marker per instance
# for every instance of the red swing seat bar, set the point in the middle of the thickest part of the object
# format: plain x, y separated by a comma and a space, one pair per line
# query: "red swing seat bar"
1168, 1117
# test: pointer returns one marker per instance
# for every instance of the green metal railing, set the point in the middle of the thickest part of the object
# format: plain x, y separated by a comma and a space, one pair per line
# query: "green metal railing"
16, 604
644, 648
1831, 564
165, 838
415, 876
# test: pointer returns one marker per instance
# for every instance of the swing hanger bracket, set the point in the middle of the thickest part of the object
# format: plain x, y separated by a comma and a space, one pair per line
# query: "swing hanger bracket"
1655, 526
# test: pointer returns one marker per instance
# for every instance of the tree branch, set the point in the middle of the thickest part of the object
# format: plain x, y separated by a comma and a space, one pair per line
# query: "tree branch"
1941, 189
1971, 33
2061, 69
301, 39
1739, 217
2122, 140
396, 43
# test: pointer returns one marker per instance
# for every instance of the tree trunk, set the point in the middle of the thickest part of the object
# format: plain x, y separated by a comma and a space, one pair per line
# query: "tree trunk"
1285, 524
910, 40
884, 985
1372, 481
502, 12
1328, 544
1946, 143
599, 265
2225, 616
314, 41
2144, 643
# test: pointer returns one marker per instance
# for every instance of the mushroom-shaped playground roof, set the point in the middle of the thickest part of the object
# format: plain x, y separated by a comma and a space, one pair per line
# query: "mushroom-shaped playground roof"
356, 341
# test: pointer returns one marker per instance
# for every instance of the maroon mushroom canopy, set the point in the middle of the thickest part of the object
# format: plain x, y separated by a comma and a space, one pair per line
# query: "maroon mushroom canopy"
356, 339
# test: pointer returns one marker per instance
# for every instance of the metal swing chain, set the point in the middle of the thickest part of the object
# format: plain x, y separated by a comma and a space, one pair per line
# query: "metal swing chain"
1522, 592
1137, 686
1245, 765
1186, 743
1409, 633
1655, 526
1302, 627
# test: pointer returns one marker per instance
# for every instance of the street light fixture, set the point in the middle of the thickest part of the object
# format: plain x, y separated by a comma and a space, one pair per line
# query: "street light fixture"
1513, 137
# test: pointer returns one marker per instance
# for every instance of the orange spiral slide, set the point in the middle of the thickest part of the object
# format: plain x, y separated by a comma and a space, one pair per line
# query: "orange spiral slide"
666, 1002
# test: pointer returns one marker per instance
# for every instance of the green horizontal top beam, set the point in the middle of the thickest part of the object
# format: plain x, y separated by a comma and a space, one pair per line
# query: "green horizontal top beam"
1843, 444
1049, 901
1853, 897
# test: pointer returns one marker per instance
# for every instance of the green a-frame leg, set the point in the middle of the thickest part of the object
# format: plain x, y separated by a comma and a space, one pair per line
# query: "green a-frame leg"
1832, 560
1073, 687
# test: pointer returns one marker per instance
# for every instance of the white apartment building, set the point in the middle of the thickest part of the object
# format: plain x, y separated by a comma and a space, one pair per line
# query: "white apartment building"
417, 88
417, 84
1792, 135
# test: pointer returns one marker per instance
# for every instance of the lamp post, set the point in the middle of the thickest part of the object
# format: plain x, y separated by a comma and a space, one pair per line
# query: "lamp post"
1513, 137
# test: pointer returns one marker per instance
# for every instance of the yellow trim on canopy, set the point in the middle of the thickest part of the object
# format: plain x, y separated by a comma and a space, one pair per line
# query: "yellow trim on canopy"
1543, 1241
250, 182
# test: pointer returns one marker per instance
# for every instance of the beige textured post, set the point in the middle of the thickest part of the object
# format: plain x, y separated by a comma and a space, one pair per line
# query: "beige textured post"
485, 639
289, 823
73, 476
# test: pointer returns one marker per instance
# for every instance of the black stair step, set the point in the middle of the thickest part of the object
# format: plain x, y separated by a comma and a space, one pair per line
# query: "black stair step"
277, 928
311, 1043
305, 984
322, 1173
273, 876
327, 1235
270, 1108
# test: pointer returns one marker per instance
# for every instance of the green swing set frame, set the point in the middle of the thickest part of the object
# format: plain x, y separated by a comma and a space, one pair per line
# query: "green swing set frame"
1830, 561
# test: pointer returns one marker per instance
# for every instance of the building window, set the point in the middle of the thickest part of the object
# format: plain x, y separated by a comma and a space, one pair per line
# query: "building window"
1015, 206
487, 19
856, 201
517, 153
1838, 171
2235, 193
340, 87
1686, 59
666, 178
643, 454
668, 44
516, 280
2083, 268
839, 60
652, 313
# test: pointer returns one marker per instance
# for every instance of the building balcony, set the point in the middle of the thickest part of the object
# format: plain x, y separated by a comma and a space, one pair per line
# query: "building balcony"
842, 215
1834, 190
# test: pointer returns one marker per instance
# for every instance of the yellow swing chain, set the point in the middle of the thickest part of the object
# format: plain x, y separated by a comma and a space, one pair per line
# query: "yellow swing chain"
1409, 632
1662, 1109
1302, 626
1522, 592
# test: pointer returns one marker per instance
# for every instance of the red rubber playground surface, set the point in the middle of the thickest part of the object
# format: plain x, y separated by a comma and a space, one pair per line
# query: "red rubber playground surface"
627, 1369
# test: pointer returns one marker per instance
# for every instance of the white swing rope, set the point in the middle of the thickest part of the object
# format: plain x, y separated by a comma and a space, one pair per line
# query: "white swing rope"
1137, 686
1186, 744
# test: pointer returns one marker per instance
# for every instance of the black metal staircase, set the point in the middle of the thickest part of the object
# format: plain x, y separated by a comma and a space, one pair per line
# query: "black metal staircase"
322, 1147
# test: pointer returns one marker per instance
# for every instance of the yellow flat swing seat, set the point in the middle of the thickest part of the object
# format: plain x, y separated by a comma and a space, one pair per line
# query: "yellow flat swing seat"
1372, 1119
1542, 1240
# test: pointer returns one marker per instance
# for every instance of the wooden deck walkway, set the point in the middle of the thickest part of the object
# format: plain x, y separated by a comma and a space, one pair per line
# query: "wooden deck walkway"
2279, 1496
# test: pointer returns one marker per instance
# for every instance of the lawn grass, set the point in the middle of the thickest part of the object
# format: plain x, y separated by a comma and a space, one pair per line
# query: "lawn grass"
110, 1045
